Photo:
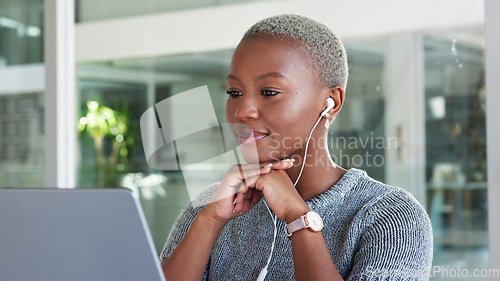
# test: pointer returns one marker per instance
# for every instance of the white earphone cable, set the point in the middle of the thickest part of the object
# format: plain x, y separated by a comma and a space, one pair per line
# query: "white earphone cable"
305, 153
263, 272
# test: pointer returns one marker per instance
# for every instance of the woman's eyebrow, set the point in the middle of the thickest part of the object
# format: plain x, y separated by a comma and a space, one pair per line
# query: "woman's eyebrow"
270, 75
261, 77
230, 76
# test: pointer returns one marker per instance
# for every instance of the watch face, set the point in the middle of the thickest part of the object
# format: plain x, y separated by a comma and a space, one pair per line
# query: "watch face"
314, 221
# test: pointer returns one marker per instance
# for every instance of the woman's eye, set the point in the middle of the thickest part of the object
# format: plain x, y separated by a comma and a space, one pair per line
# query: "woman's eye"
269, 93
233, 93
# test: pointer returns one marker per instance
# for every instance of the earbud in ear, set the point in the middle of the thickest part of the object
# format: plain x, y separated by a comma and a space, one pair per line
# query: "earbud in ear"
331, 104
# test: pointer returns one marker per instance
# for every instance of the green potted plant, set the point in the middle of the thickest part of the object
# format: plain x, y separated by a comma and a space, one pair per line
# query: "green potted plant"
102, 124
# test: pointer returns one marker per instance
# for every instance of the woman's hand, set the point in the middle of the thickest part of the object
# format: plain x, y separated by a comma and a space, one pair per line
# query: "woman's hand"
236, 193
279, 191
281, 195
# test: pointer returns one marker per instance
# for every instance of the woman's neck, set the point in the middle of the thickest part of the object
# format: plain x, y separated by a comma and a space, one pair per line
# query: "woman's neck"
319, 174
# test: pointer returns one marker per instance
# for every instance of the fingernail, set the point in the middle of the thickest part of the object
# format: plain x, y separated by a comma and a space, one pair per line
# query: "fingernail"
234, 202
268, 165
241, 213
293, 160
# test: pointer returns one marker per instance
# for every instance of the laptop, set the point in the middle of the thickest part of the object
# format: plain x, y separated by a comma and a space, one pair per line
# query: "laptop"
75, 234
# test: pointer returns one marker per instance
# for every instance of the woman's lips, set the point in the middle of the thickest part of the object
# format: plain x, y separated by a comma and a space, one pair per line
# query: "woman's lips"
249, 137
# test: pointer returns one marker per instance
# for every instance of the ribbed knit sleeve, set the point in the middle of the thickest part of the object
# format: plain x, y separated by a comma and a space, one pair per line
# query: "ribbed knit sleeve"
184, 222
397, 241
179, 229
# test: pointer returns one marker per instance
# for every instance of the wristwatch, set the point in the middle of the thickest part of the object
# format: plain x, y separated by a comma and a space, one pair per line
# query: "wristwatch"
310, 220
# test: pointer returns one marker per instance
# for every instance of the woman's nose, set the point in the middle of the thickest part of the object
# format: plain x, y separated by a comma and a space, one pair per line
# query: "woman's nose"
247, 109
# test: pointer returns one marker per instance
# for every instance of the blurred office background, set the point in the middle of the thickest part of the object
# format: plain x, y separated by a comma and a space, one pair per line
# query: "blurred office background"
414, 114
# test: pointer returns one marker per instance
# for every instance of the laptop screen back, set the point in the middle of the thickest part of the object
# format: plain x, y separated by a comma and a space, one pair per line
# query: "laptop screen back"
82, 234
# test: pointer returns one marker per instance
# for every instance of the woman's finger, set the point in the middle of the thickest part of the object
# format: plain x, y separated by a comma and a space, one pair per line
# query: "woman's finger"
249, 174
257, 195
250, 181
249, 194
238, 173
245, 172
240, 178
242, 201
283, 164
240, 196
232, 181
280, 164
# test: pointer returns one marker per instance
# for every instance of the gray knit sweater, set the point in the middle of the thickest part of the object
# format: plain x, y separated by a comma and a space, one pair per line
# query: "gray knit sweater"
373, 232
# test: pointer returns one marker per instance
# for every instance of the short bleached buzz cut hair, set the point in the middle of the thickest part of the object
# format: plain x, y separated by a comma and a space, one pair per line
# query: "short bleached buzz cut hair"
326, 49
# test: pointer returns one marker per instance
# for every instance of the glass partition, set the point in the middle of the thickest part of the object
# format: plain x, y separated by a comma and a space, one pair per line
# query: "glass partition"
21, 94
456, 147
357, 136
129, 87
21, 28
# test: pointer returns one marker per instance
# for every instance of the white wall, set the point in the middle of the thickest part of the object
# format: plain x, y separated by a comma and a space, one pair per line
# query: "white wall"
92, 10
221, 27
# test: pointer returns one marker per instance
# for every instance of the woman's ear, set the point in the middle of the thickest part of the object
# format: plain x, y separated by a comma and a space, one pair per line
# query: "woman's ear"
338, 95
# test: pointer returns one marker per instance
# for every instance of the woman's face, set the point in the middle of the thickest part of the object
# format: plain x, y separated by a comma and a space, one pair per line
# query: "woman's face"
274, 94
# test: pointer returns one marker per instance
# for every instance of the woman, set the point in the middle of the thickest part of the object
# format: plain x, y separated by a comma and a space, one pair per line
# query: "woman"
282, 74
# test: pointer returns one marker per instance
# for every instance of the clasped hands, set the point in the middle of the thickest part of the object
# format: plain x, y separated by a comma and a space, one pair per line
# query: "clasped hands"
244, 185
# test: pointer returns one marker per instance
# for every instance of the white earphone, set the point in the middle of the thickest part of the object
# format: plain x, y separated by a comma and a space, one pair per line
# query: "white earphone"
331, 104
263, 272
